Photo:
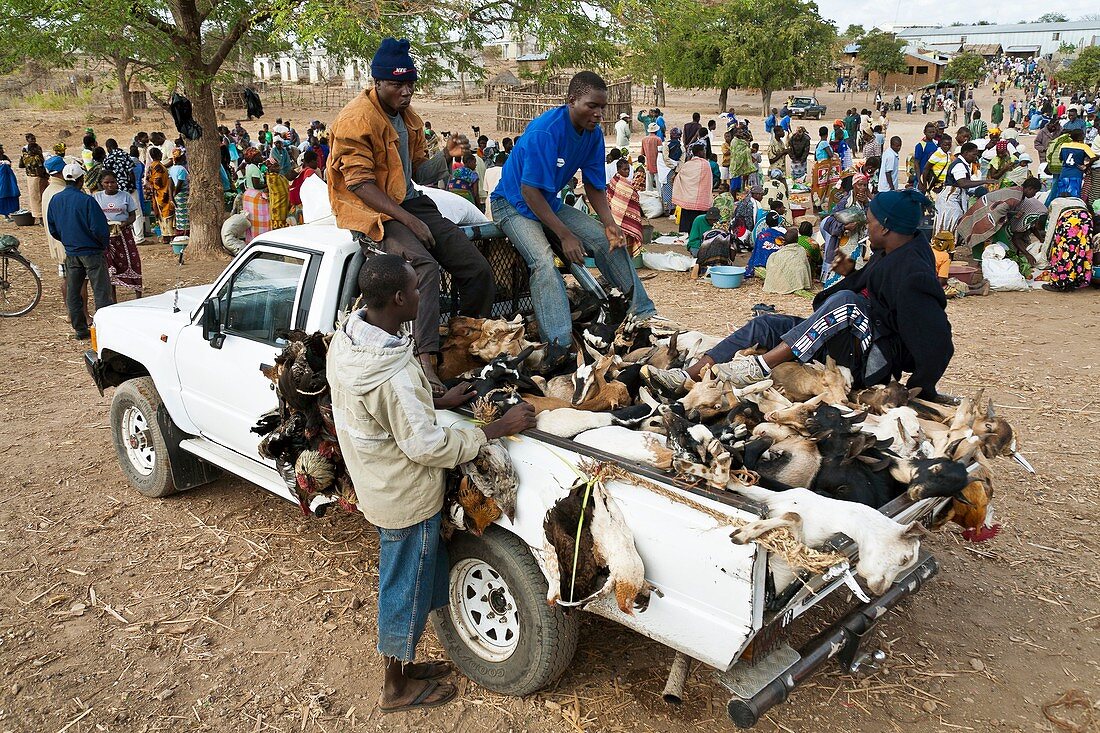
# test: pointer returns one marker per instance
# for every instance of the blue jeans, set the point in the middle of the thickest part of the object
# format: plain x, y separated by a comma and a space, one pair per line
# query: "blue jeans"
413, 574
840, 328
547, 287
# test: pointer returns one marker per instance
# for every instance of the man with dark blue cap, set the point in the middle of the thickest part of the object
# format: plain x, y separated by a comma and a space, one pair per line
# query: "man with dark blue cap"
887, 318
378, 152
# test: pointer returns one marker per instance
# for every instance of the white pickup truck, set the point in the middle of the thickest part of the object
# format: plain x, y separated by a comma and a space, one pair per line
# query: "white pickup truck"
185, 366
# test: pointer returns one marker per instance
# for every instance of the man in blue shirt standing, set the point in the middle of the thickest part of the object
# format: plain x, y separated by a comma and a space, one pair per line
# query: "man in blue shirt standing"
527, 206
75, 219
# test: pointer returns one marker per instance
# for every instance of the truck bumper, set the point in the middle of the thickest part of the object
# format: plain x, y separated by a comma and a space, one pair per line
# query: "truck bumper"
95, 368
842, 641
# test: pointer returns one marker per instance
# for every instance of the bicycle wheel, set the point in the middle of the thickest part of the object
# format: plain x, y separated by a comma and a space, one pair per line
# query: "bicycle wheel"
20, 286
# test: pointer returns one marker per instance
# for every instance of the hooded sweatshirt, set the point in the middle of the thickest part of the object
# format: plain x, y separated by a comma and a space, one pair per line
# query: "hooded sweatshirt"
382, 406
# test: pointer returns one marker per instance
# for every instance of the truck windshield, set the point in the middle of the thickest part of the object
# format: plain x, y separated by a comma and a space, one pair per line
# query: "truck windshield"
259, 301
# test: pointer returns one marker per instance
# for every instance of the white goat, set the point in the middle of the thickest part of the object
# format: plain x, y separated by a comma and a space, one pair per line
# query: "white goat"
566, 422
633, 445
902, 428
886, 548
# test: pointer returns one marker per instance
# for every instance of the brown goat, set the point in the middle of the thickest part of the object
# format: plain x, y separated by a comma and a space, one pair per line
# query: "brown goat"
472, 342
800, 382
882, 397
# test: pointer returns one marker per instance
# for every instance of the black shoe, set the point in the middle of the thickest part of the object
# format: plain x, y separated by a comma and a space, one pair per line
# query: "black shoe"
82, 336
762, 308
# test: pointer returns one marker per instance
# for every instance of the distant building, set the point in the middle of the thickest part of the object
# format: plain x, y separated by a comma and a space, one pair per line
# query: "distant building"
513, 46
1018, 39
922, 68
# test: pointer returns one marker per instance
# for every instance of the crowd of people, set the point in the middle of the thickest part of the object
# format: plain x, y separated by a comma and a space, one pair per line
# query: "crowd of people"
849, 207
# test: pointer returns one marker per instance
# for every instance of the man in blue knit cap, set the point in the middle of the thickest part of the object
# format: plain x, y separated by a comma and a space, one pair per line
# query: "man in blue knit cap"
378, 151
887, 318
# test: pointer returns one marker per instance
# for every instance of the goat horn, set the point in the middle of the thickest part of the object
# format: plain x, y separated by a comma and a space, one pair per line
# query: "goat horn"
1019, 458
989, 414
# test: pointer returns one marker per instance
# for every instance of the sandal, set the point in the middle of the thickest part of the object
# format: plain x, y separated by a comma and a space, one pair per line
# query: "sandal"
423, 701
428, 670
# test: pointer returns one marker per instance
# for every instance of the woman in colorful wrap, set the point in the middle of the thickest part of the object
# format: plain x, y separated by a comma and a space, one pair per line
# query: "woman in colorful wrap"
692, 190
626, 206
999, 216
845, 229
278, 195
1070, 251
767, 239
158, 192
181, 190
121, 210
254, 202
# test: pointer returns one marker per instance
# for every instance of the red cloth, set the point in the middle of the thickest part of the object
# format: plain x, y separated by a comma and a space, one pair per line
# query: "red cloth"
296, 186
651, 146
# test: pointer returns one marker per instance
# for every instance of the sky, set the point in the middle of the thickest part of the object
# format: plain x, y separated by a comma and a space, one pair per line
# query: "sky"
938, 12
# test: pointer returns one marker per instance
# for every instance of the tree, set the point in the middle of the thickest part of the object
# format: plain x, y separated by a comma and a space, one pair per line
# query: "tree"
966, 67
777, 44
880, 53
1084, 71
186, 43
854, 32
1051, 18
696, 37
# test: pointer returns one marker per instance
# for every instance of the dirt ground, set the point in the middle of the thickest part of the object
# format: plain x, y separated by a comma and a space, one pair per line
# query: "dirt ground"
223, 609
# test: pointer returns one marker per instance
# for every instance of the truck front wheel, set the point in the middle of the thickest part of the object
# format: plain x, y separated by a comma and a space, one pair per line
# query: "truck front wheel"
142, 452
498, 629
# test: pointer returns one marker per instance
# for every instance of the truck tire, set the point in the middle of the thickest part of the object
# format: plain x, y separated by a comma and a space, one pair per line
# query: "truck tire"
498, 629
142, 451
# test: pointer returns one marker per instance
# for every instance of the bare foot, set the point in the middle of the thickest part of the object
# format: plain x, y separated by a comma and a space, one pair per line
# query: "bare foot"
427, 362
428, 670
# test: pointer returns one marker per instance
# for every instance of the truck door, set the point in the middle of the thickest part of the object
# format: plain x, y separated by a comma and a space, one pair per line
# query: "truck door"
223, 390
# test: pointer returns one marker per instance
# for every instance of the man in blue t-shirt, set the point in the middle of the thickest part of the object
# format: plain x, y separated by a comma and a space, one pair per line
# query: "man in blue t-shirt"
527, 206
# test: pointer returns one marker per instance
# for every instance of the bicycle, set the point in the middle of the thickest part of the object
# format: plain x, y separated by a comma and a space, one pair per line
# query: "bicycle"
20, 283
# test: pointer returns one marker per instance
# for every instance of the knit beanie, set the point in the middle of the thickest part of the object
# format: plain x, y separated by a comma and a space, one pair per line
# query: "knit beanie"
900, 211
392, 62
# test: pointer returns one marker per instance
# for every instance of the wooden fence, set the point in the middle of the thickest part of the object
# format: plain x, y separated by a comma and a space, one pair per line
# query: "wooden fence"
518, 106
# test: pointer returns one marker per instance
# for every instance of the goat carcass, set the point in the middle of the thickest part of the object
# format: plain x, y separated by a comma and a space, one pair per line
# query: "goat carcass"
886, 548
799, 382
565, 422
633, 445
607, 560
882, 397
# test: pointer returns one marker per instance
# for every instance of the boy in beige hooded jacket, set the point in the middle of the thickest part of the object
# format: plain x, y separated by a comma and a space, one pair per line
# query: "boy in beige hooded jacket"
396, 455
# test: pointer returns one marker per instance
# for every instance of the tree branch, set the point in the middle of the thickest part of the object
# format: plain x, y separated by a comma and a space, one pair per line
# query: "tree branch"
159, 24
227, 45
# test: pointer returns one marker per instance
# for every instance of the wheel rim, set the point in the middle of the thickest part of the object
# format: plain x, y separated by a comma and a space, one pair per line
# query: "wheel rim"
138, 441
484, 610
20, 286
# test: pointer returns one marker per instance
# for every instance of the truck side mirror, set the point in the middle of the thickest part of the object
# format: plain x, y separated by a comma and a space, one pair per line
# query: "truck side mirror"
211, 328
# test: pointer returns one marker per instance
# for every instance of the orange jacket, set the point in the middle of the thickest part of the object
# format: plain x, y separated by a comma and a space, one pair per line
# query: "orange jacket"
364, 148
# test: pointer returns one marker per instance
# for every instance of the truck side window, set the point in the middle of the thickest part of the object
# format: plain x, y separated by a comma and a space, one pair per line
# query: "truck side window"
259, 301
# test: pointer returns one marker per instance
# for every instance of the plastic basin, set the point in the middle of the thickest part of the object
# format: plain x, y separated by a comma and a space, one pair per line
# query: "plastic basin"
965, 273
726, 276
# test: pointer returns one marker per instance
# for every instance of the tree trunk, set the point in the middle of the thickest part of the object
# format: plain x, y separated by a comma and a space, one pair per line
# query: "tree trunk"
121, 66
766, 95
660, 89
206, 204
723, 99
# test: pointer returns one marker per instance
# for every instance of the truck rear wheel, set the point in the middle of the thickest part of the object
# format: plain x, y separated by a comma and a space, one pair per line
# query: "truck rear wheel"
498, 629
142, 452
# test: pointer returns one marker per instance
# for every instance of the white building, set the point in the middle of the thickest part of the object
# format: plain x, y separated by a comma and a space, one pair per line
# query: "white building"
1017, 39
312, 66
512, 45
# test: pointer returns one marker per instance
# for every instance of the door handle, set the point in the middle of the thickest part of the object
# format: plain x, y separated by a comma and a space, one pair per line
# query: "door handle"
267, 369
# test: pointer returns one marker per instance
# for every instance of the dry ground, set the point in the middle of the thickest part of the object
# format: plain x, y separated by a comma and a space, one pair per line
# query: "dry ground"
223, 609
